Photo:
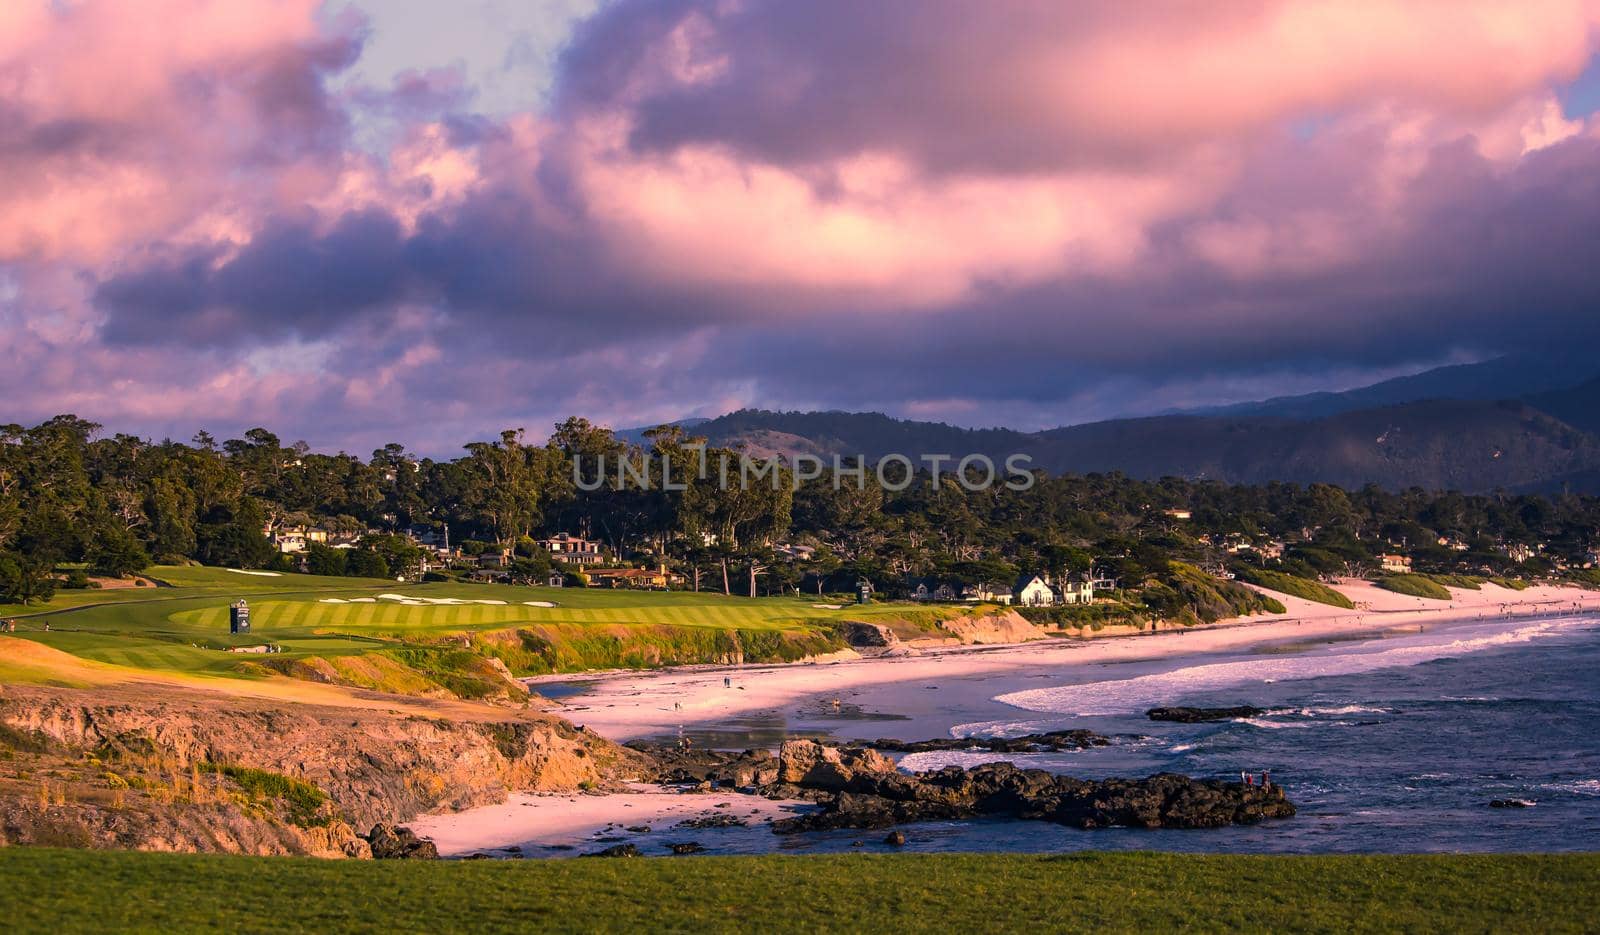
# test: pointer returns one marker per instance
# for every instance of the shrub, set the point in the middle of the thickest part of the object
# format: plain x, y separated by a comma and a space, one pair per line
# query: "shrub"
1293, 586
1414, 586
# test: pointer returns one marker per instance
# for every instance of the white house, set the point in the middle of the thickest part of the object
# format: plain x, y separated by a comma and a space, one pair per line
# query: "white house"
1033, 591
1395, 563
1077, 590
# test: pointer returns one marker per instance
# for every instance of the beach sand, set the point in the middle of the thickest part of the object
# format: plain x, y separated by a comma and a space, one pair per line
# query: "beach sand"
547, 824
626, 706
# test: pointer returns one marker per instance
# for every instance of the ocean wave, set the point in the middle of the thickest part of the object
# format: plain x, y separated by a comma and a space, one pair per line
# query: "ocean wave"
966, 759
1273, 725
1126, 696
1579, 787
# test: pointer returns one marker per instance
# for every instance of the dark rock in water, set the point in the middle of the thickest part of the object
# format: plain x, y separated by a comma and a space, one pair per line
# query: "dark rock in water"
616, 850
824, 766
639, 829
896, 839
1051, 742
712, 821
1512, 803
1201, 715
872, 799
391, 843
858, 787
687, 847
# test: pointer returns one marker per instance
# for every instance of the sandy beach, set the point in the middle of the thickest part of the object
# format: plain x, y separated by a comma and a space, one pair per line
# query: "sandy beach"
542, 825
625, 706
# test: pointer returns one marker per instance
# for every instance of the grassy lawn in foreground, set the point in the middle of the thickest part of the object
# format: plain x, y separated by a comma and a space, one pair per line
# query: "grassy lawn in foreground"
75, 891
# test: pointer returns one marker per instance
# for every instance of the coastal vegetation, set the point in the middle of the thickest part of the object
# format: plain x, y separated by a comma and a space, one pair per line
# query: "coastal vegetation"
1304, 588
82, 891
1414, 586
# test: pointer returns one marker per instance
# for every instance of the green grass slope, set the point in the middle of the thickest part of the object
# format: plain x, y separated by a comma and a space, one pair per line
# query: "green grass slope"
87, 891
1303, 588
1414, 586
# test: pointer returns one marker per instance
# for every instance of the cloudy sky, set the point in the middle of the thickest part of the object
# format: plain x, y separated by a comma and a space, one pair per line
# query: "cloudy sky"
358, 221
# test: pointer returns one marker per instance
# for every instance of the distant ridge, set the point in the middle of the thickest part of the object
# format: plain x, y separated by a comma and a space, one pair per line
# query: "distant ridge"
1514, 376
1518, 423
1437, 444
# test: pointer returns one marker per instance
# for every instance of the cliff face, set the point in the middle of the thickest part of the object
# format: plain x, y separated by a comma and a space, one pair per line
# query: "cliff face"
171, 770
1004, 627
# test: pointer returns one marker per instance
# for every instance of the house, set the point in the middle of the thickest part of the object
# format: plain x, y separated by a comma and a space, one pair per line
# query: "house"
556, 580
498, 558
1398, 564
927, 589
986, 593
1032, 591
293, 539
1518, 552
648, 579
1272, 549
573, 550
1178, 514
1078, 589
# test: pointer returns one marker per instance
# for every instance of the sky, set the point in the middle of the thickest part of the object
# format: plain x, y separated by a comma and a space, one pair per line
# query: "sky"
364, 221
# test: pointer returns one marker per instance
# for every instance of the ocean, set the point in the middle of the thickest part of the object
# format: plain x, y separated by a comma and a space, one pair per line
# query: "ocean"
1395, 744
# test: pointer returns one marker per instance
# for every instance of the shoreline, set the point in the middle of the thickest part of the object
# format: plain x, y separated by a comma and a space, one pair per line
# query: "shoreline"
626, 706
759, 704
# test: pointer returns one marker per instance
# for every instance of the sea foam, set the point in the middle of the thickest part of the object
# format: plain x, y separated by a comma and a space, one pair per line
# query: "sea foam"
1126, 696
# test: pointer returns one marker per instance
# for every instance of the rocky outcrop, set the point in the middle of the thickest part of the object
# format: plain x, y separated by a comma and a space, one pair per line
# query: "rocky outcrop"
1051, 742
812, 765
390, 843
1201, 715
1165, 800
833, 762
860, 634
158, 768
858, 787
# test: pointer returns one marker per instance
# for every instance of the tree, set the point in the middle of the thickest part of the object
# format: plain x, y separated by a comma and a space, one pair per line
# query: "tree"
116, 552
401, 557
365, 563
24, 580
325, 560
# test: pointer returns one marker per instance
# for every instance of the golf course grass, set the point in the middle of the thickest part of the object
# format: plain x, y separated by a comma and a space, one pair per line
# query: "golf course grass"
96, 891
181, 627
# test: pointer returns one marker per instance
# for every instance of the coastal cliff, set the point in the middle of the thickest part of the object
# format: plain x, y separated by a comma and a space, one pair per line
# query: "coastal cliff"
163, 769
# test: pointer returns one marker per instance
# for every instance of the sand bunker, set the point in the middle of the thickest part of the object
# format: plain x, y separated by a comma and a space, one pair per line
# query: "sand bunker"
258, 574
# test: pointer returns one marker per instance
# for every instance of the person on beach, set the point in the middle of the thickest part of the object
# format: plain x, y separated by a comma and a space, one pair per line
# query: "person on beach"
727, 682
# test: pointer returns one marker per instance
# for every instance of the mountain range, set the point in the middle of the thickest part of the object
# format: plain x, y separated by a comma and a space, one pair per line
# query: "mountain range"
1518, 424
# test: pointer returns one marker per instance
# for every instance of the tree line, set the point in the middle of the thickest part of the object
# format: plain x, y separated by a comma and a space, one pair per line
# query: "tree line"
114, 504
